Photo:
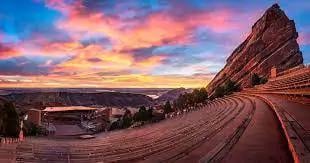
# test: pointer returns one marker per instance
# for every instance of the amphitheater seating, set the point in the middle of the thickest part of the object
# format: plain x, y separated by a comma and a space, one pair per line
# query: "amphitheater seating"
207, 130
162, 141
296, 82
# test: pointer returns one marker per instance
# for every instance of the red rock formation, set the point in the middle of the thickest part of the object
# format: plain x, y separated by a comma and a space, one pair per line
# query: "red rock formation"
272, 42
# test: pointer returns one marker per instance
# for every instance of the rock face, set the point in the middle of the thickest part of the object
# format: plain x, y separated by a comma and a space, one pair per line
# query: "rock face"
272, 42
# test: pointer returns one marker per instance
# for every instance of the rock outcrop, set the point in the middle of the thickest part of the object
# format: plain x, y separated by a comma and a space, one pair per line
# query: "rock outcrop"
272, 42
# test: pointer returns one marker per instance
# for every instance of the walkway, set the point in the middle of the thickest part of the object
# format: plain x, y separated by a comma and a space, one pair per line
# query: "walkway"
262, 141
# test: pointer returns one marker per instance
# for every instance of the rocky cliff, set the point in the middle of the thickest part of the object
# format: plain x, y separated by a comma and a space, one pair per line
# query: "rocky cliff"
272, 42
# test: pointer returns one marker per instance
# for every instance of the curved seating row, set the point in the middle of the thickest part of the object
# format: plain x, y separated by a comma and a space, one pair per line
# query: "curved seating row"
297, 82
167, 140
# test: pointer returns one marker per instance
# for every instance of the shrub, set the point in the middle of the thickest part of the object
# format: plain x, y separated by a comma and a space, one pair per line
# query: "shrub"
30, 129
219, 92
257, 80
228, 88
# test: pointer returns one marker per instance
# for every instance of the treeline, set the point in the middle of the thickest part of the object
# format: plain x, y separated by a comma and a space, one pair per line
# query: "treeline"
194, 98
144, 115
186, 101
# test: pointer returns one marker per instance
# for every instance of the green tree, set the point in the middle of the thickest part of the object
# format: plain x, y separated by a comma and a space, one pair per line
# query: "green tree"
230, 87
142, 114
255, 79
263, 80
126, 122
150, 113
9, 125
219, 92
127, 119
30, 129
115, 125
167, 107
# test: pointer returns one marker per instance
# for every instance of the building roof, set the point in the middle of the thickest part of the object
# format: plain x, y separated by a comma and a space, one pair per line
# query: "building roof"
68, 108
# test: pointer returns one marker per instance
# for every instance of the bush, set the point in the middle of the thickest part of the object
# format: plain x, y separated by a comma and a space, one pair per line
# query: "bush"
30, 129
115, 125
257, 80
219, 92
263, 80
228, 88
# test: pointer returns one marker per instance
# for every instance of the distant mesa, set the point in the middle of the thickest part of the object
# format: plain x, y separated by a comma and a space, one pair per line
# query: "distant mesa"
172, 94
43, 99
272, 42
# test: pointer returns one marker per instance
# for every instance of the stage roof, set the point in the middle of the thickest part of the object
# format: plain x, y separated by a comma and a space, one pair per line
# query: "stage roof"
68, 108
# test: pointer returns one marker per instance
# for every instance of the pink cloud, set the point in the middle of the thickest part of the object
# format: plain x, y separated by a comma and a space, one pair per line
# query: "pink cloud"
8, 51
304, 38
157, 29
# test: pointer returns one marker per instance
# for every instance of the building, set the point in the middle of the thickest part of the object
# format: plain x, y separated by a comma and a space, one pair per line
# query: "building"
34, 116
68, 114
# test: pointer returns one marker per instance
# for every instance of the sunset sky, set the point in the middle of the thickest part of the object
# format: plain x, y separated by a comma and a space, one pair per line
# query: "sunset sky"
128, 43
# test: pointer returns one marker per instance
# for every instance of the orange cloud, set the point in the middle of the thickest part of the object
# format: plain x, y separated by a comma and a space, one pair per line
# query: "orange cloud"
121, 81
94, 58
150, 62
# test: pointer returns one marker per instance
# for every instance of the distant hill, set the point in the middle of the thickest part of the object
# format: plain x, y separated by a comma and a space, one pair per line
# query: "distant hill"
272, 42
172, 94
43, 99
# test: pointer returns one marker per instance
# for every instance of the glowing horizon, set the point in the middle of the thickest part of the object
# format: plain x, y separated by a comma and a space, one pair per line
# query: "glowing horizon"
122, 44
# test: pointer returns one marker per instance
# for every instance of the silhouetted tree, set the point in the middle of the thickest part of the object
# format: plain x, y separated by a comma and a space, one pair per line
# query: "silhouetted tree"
115, 125
230, 87
127, 119
9, 125
255, 79
30, 129
126, 122
167, 107
143, 114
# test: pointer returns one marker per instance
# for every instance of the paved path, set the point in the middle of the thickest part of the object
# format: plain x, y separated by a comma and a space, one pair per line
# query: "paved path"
299, 111
262, 140
296, 118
